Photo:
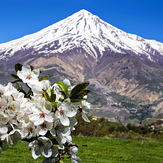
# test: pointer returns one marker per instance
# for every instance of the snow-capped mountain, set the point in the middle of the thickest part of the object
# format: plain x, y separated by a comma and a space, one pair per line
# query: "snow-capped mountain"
88, 31
121, 67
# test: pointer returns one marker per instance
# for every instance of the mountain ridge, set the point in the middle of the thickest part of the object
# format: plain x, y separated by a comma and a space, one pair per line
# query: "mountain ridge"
120, 67
88, 28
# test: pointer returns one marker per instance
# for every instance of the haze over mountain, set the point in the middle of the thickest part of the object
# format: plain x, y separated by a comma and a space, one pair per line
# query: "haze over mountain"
120, 67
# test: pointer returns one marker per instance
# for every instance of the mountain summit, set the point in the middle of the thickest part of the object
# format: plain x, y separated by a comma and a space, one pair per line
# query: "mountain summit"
88, 31
121, 67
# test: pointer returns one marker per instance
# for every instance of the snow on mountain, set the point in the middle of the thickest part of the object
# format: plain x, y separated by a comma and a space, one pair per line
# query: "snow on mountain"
156, 45
87, 31
83, 47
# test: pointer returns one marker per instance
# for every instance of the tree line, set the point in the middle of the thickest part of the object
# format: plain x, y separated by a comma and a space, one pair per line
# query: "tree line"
104, 128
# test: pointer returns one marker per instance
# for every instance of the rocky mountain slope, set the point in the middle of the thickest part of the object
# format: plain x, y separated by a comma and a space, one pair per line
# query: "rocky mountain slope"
122, 68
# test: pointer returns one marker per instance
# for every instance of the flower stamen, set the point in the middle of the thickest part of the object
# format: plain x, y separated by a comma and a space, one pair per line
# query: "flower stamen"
42, 115
11, 107
30, 129
62, 112
28, 77
44, 125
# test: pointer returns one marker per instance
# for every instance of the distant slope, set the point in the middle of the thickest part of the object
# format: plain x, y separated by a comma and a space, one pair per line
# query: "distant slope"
120, 67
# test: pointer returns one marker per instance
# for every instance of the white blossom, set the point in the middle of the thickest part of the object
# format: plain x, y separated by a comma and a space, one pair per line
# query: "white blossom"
85, 110
29, 130
41, 146
64, 111
63, 134
41, 86
27, 75
68, 84
13, 137
58, 91
46, 117
42, 111
43, 128
74, 151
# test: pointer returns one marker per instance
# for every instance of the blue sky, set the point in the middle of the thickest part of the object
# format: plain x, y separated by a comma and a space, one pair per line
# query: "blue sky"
21, 17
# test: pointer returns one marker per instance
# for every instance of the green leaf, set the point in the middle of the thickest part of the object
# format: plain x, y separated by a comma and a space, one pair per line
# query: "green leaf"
29, 94
46, 95
54, 141
54, 105
18, 67
85, 92
31, 67
53, 95
77, 99
49, 95
45, 77
63, 87
15, 76
78, 92
20, 89
15, 81
78, 89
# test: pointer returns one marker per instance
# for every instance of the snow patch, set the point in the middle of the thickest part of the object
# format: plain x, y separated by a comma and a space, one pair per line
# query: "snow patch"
87, 31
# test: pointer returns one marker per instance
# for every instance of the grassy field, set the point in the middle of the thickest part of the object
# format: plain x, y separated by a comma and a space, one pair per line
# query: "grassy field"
99, 150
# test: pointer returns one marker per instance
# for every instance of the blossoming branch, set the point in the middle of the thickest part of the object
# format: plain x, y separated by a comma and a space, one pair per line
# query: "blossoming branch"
41, 113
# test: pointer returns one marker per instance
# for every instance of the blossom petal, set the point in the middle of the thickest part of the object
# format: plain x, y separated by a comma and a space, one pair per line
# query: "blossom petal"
3, 129
74, 150
84, 116
64, 120
35, 153
86, 106
39, 122
71, 112
54, 151
47, 152
75, 159
67, 82
43, 131
49, 118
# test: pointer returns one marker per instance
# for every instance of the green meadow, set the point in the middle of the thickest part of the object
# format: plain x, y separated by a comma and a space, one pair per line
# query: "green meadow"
99, 150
